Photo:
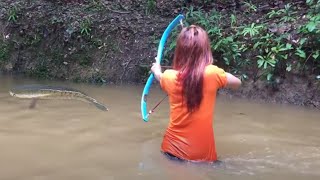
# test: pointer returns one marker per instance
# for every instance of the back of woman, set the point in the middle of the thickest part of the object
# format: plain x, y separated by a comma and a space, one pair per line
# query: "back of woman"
190, 135
192, 85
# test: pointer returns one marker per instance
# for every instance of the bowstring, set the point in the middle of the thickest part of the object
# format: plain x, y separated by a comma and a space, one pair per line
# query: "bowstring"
152, 110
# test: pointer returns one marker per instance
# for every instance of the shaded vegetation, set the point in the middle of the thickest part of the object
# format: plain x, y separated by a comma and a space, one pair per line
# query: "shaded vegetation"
263, 43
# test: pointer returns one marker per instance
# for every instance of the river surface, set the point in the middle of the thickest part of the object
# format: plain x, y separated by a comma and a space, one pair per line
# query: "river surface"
73, 140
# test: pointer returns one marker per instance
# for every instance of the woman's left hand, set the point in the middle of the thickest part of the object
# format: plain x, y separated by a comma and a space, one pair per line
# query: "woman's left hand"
156, 70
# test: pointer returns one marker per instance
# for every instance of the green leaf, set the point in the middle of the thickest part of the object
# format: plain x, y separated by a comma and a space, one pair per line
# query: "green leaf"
226, 60
272, 62
311, 26
288, 46
309, 2
260, 57
233, 19
289, 68
260, 63
256, 45
269, 76
215, 47
243, 48
265, 65
316, 54
230, 39
303, 40
300, 53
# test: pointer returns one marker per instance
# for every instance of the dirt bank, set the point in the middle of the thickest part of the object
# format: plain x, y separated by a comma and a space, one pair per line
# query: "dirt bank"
111, 42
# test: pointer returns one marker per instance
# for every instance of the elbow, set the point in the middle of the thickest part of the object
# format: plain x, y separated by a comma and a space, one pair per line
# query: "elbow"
238, 84
235, 85
233, 82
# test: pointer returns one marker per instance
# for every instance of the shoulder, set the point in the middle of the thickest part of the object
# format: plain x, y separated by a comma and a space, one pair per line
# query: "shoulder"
215, 74
213, 69
170, 74
168, 78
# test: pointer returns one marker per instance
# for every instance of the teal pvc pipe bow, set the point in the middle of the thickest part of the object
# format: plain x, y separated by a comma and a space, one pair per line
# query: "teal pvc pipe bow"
144, 112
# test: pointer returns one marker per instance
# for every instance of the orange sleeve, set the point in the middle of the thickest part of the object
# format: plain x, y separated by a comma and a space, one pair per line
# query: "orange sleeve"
219, 76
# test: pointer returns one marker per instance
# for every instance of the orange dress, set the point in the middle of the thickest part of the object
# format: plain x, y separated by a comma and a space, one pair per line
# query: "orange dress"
190, 136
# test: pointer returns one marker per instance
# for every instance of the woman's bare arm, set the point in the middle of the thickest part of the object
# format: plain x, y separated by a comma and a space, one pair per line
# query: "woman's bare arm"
232, 81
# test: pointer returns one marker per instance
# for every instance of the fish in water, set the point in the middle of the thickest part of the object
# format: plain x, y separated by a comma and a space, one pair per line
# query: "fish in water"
36, 92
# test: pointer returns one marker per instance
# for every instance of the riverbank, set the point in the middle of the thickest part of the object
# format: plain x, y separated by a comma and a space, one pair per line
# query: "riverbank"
297, 91
106, 42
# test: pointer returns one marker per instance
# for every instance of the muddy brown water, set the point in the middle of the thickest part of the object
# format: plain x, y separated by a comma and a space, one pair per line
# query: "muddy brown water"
72, 140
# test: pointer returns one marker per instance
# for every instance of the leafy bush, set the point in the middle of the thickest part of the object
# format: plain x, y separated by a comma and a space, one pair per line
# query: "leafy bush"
286, 41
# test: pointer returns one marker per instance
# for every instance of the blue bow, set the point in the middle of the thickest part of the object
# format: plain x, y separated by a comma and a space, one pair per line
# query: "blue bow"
144, 111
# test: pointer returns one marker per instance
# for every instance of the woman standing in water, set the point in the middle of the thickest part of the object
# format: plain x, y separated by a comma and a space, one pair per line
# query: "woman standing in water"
192, 85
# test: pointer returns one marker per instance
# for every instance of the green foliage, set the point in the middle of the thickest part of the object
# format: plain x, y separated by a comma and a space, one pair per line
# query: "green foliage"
273, 51
314, 5
32, 39
4, 52
221, 42
308, 47
95, 5
13, 15
243, 42
85, 27
285, 15
250, 7
151, 6
252, 30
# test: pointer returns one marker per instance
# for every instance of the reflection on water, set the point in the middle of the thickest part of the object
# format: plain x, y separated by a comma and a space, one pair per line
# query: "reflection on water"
62, 139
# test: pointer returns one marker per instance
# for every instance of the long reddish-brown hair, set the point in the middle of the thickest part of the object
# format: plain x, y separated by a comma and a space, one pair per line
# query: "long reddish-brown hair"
192, 55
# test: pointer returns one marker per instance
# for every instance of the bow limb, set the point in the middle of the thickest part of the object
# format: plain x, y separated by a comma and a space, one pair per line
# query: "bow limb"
145, 93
